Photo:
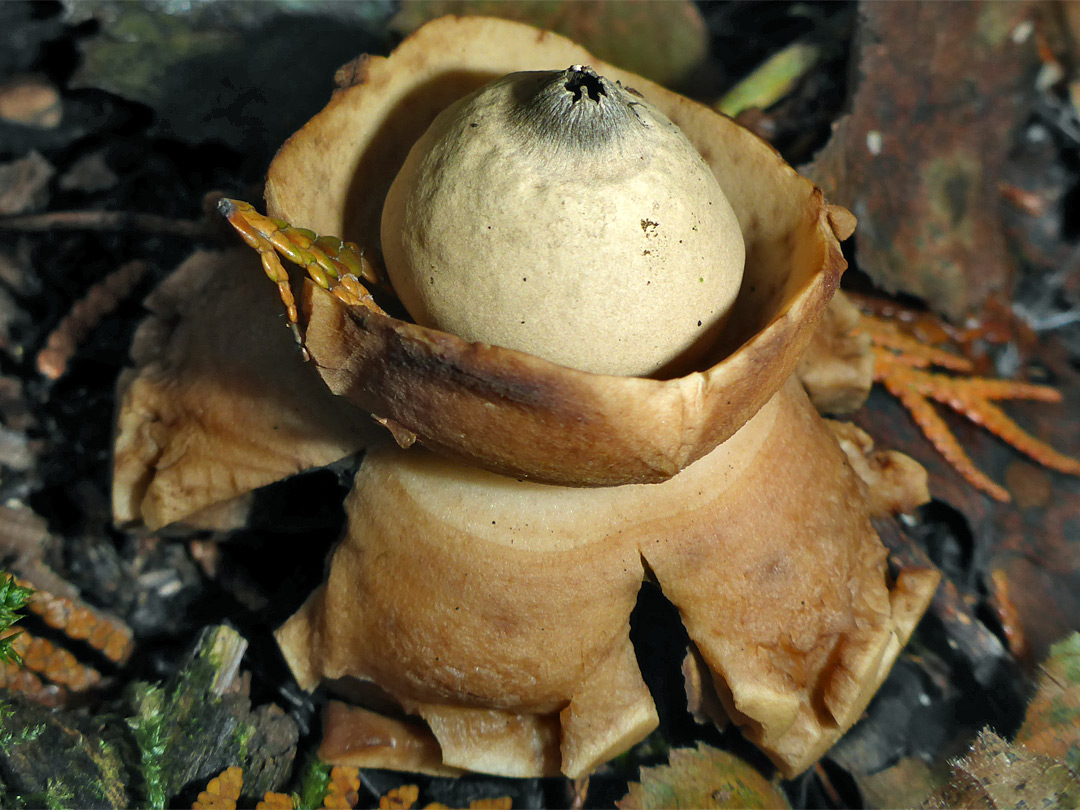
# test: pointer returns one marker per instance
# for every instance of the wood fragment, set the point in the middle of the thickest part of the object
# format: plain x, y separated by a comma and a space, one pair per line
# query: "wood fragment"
101, 300
59, 758
205, 724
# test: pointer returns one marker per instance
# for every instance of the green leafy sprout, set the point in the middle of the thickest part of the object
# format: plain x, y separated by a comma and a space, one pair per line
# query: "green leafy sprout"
13, 598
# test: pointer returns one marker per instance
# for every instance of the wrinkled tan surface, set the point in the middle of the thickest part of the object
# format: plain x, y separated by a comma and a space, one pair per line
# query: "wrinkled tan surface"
487, 605
218, 401
511, 412
837, 368
895, 482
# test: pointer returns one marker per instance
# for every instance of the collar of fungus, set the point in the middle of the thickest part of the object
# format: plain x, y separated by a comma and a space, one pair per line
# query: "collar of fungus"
515, 413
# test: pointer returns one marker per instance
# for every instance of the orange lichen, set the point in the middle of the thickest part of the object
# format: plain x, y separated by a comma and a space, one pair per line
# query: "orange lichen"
333, 264
342, 792
55, 663
105, 634
402, 798
222, 792
17, 679
970, 397
85, 315
275, 801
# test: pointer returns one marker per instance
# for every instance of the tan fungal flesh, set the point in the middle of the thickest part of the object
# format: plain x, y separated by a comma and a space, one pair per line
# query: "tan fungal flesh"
576, 224
765, 547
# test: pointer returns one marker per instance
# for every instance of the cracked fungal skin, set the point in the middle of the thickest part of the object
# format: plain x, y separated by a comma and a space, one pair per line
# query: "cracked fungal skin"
557, 213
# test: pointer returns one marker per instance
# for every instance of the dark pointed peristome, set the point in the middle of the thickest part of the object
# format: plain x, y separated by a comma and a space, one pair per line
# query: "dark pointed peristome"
576, 108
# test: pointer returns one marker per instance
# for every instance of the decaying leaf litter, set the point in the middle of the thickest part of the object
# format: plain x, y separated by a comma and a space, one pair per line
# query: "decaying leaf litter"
1010, 566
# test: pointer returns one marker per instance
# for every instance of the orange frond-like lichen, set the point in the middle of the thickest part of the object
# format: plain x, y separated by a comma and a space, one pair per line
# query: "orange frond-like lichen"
900, 364
99, 301
105, 634
342, 793
222, 792
402, 798
275, 801
333, 264
55, 663
17, 679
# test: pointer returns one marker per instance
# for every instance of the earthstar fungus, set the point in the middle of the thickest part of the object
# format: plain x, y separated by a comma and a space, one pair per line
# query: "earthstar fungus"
452, 591
480, 599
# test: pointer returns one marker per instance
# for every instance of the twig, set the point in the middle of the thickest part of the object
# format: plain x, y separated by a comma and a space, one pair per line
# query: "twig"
102, 299
109, 221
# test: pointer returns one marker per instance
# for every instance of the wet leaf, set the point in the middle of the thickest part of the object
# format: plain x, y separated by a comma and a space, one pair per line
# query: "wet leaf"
663, 41
919, 159
996, 774
702, 777
1052, 724
1029, 550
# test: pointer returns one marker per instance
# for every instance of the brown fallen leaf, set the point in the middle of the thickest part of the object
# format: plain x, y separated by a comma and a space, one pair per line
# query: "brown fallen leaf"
919, 159
702, 777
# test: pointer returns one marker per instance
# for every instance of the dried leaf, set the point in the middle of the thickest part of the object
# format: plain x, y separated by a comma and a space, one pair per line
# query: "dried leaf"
702, 777
24, 184
772, 80
663, 41
996, 774
1052, 724
919, 158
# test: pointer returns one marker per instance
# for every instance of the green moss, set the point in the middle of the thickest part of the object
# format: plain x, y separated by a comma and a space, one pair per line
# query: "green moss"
58, 796
13, 599
314, 782
149, 729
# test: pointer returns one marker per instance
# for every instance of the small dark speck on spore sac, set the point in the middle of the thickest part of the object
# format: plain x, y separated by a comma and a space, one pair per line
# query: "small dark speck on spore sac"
474, 125
699, 323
